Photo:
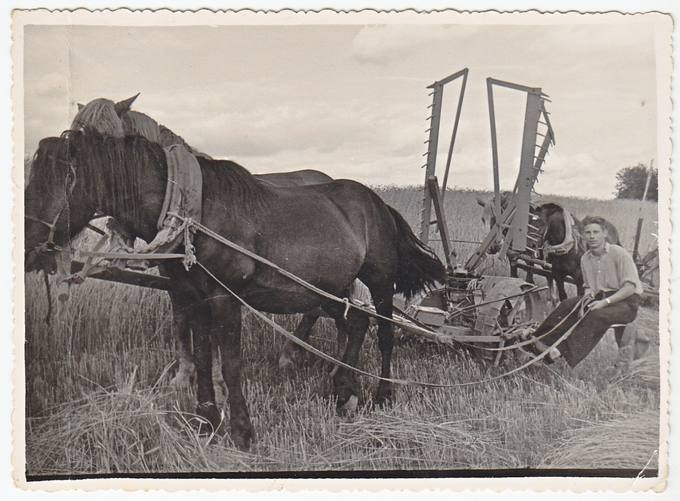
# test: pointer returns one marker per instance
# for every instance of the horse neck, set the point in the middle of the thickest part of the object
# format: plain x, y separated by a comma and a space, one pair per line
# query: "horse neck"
235, 193
556, 229
127, 182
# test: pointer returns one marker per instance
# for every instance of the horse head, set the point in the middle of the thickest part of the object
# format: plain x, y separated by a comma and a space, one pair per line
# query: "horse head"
551, 218
81, 173
51, 216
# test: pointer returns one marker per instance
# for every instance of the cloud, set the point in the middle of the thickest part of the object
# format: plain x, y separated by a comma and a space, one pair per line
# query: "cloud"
269, 126
583, 174
382, 44
51, 84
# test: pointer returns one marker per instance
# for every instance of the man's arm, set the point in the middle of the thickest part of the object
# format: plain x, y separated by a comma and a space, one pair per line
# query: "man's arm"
628, 289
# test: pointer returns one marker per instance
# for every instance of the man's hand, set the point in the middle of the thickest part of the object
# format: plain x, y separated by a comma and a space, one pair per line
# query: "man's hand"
598, 305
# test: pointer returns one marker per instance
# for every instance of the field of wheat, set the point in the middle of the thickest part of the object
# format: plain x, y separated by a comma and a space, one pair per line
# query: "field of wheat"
98, 398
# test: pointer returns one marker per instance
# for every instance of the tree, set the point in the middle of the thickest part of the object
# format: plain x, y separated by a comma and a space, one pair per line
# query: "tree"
630, 183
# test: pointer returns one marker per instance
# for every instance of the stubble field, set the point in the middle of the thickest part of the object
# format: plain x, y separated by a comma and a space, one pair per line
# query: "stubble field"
98, 398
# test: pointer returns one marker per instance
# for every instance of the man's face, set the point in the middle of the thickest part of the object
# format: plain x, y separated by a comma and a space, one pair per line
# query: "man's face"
595, 236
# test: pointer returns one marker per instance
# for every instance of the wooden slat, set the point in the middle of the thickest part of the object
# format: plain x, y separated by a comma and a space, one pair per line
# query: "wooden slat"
127, 277
442, 225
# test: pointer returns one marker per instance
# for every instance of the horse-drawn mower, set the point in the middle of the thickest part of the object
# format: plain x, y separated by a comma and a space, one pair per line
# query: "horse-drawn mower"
475, 306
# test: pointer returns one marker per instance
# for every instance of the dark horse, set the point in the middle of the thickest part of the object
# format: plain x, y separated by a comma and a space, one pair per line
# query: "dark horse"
117, 119
567, 262
327, 234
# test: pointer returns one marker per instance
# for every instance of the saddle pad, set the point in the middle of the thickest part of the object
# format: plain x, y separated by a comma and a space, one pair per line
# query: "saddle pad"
184, 191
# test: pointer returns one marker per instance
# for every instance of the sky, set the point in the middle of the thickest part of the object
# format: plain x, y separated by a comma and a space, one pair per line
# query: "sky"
352, 100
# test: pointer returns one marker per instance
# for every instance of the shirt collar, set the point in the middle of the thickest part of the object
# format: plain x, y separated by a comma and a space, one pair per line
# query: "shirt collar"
606, 250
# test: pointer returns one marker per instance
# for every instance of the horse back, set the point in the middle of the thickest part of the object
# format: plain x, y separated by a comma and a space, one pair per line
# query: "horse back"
303, 177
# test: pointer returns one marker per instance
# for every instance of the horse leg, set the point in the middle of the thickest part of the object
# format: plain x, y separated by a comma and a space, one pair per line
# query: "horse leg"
346, 385
226, 327
578, 279
383, 306
559, 281
182, 334
551, 288
303, 330
201, 325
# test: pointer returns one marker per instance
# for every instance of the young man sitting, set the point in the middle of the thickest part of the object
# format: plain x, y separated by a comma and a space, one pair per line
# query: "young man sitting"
612, 291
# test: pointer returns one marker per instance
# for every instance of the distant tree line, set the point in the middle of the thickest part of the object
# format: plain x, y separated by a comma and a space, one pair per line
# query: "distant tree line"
630, 183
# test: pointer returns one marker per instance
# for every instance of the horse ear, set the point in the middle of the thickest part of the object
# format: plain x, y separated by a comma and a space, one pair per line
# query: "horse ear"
80, 106
124, 105
481, 202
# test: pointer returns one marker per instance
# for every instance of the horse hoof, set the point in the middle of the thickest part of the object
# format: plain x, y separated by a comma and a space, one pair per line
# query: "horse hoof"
285, 362
183, 377
211, 419
349, 406
181, 381
242, 438
241, 443
384, 398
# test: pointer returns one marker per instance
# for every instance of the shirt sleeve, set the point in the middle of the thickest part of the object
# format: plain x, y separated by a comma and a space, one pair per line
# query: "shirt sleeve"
628, 271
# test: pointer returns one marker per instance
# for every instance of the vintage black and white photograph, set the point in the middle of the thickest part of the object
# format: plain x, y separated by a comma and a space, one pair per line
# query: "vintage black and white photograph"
361, 245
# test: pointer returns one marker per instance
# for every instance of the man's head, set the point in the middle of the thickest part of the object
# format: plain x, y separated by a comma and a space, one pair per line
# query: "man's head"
594, 232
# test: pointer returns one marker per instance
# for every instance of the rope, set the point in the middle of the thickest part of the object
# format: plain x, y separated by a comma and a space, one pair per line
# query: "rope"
435, 336
425, 332
403, 382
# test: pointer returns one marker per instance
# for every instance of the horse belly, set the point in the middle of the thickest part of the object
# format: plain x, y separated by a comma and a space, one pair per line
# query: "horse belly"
286, 301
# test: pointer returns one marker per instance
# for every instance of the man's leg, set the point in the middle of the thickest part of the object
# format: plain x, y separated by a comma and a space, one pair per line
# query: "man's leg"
593, 326
554, 326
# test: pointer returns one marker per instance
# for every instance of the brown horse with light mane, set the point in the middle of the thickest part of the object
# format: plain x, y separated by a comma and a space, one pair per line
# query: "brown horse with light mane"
327, 234
118, 120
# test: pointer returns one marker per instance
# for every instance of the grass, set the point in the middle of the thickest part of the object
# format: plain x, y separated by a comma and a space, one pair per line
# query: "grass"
98, 399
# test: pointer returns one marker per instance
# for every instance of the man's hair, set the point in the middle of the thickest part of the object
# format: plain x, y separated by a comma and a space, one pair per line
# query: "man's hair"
595, 220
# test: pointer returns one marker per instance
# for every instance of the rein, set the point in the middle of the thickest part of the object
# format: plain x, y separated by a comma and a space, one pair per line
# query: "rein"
402, 382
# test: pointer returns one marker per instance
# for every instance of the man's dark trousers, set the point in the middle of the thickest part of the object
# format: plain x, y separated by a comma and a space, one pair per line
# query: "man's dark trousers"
591, 328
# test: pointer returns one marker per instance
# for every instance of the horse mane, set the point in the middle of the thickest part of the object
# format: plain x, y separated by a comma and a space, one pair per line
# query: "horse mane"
137, 123
115, 168
100, 115
119, 167
43, 172
241, 188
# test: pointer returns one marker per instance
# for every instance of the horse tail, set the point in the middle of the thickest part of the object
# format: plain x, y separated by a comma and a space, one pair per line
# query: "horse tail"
418, 265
